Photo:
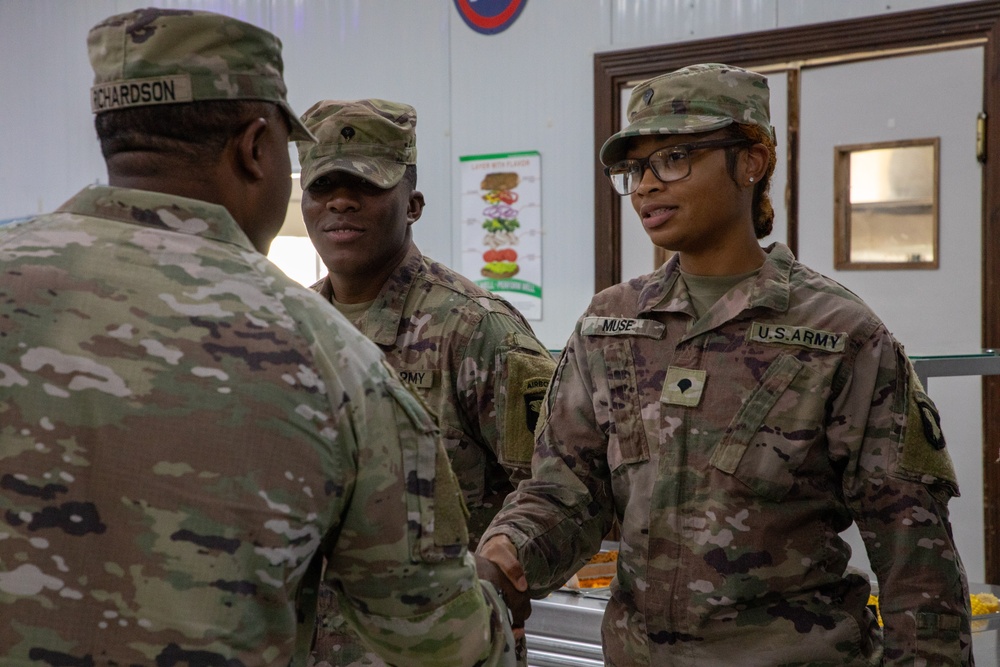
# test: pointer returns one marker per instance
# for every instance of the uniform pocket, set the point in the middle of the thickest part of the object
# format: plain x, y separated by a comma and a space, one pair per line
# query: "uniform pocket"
436, 511
771, 434
626, 433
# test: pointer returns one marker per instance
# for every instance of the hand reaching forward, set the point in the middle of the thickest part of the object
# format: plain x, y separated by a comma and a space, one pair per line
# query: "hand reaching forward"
496, 562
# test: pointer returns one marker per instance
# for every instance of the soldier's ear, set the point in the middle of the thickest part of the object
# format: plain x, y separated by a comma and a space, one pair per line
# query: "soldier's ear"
757, 157
415, 207
249, 146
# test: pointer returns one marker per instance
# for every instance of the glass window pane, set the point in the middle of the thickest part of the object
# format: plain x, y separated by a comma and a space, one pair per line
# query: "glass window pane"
888, 216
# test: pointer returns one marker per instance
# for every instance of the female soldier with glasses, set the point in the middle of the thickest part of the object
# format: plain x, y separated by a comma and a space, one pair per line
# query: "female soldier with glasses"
736, 411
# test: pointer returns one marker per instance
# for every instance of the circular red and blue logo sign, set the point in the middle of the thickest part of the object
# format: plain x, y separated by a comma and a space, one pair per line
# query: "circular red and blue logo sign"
489, 16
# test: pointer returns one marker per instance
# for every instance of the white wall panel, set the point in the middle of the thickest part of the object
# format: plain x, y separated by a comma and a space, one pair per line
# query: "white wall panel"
531, 88
48, 149
638, 22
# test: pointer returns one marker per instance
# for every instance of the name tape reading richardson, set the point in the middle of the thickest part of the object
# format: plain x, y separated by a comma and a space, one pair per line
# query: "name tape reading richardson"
140, 92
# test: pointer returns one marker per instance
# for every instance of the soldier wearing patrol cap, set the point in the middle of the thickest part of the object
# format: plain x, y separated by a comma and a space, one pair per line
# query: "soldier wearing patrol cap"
187, 434
736, 411
465, 351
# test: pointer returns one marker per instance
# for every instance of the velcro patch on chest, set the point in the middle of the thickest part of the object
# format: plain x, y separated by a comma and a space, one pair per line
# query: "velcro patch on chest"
683, 386
786, 334
417, 378
621, 326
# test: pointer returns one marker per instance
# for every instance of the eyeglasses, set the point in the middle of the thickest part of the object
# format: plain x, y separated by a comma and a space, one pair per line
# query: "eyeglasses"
668, 164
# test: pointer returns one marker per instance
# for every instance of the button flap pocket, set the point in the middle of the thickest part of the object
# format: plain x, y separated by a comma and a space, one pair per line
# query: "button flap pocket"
627, 434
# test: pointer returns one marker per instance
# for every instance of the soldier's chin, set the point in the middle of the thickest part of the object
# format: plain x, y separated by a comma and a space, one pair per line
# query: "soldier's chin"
500, 275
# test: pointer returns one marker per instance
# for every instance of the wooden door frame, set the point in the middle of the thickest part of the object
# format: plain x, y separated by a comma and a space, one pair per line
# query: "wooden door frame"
950, 26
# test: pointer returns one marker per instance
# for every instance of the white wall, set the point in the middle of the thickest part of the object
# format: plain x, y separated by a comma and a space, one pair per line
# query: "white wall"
528, 88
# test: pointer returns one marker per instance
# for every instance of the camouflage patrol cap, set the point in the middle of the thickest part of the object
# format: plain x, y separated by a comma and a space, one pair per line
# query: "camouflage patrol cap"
699, 98
169, 56
371, 138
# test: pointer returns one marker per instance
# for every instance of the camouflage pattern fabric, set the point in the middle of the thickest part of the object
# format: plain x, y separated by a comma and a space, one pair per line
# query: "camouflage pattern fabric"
171, 56
700, 98
371, 138
186, 434
733, 449
476, 363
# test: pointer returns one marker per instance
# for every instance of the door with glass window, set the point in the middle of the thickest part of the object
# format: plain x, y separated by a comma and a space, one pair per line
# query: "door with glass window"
908, 121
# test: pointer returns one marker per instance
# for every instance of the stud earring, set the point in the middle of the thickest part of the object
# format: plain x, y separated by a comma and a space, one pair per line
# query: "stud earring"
751, 179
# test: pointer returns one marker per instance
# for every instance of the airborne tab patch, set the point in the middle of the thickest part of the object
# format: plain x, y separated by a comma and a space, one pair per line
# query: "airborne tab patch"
785, 334
621, 326
683, 386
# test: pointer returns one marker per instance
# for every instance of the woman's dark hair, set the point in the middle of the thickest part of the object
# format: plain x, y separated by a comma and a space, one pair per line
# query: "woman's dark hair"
196, 132
763, 211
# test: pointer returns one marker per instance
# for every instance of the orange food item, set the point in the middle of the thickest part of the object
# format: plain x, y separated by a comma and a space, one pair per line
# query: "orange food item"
604, 557
596, 582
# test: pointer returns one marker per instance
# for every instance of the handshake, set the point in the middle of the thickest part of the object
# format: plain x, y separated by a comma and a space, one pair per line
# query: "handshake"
497, 563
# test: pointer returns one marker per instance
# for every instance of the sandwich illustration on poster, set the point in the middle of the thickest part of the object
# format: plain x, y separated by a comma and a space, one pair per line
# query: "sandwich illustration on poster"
502, 227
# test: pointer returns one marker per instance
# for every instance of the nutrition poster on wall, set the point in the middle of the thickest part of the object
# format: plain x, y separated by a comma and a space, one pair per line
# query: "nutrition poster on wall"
501, 211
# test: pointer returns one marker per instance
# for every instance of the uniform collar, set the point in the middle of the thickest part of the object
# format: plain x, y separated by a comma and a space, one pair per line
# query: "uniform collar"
158, 210
768, 290
381, 324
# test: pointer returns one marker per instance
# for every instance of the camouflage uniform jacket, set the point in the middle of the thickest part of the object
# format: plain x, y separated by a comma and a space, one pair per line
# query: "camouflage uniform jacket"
185, 433
733, 450
475, 361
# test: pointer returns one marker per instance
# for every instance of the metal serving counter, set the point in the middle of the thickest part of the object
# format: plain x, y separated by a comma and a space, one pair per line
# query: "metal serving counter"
564, 630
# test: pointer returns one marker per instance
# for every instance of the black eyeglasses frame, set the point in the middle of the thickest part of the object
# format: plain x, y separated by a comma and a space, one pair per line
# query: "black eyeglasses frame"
687, 148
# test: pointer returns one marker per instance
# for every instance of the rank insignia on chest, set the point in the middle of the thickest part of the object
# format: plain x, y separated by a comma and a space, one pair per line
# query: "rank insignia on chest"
621, 326
683, 386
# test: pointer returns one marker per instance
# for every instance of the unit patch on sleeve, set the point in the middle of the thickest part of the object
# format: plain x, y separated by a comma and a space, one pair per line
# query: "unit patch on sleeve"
683, 386
785, 334
923, 453
534, 393
621, 326
525, 378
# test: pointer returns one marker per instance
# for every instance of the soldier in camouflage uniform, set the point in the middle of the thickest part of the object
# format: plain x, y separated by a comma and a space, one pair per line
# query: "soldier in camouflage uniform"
468, 353
736, 411
186, 434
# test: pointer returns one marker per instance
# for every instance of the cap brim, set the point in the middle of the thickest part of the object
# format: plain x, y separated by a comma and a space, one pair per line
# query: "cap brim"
299, 131
614, 148
380, 173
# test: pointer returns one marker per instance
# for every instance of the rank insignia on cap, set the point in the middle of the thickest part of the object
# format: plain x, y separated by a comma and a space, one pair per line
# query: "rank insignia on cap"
647, 96
683, 386
347, 133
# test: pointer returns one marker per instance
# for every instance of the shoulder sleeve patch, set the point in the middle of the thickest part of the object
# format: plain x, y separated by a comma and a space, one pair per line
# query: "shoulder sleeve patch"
922, 453
525, 379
